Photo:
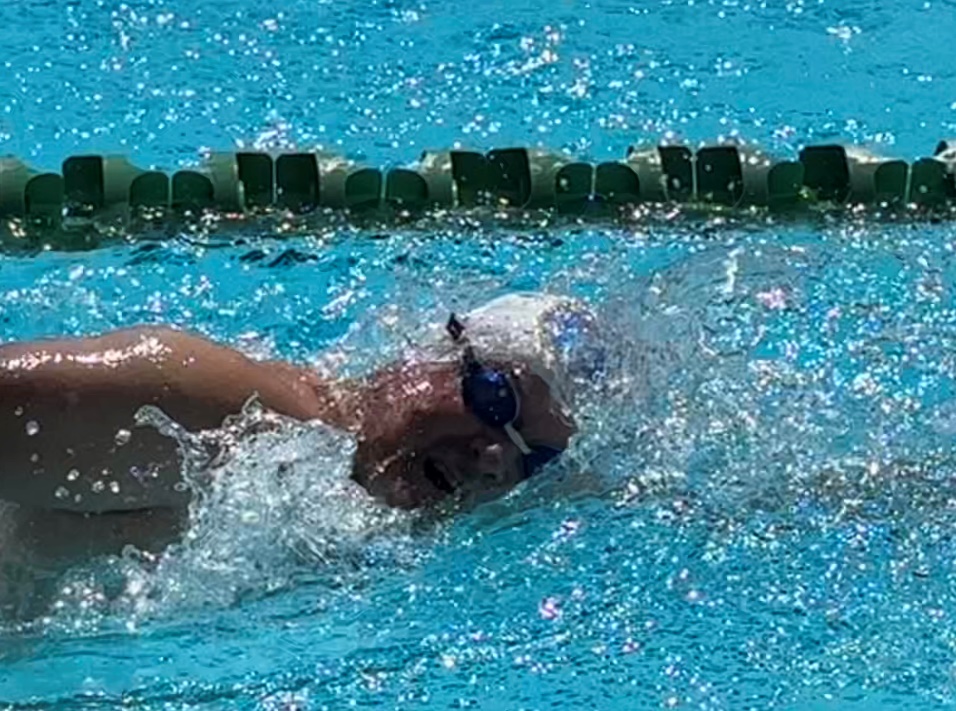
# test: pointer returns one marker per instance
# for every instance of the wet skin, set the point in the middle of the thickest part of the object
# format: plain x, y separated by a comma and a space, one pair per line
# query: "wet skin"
431, 447
69, 440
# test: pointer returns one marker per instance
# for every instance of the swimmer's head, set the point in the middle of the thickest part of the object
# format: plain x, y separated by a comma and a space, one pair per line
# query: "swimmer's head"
556, 336
486, 410
423, 443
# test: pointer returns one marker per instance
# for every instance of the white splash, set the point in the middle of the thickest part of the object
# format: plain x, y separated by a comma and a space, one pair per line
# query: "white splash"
273, 503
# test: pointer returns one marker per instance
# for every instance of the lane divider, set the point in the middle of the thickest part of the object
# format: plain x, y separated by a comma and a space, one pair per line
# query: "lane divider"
101, 189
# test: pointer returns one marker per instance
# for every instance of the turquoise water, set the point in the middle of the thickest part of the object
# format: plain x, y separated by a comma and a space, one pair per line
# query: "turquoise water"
764, 521
386, 79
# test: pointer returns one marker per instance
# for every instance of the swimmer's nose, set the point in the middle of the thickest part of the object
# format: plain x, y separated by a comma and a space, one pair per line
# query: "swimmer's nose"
490, 460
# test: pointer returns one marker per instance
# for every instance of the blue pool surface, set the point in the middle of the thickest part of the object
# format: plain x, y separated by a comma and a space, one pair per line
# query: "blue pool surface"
763, 520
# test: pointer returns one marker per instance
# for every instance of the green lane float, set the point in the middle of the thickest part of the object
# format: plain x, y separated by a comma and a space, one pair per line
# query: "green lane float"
617, 184
665, 173
297, 182
455, 179
24, 193
747, 178
343, 185
945, 155
99, 184
406, 190
92, 190
850, 175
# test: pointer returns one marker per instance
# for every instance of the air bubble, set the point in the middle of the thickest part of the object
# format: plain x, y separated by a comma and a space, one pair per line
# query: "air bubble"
115, 487
98, 487
33, 427
122, 437
72, 475
62, 492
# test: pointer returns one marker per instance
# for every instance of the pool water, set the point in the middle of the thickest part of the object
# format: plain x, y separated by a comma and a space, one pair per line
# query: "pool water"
764, 516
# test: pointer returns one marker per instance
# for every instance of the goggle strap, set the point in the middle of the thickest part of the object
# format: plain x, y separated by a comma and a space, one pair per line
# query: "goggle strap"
455, 328
469, 359
470, 362
518, 440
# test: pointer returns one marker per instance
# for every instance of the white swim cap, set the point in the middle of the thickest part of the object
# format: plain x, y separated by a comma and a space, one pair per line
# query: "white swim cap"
556, 336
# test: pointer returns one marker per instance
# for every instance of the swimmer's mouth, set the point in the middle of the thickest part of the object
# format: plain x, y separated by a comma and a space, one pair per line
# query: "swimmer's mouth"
437, 476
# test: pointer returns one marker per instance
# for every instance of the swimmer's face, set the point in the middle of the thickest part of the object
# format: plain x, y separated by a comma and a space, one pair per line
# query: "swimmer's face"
421, 445
445, 463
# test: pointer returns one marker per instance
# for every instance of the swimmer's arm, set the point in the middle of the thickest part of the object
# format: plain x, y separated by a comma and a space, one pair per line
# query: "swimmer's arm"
68, 437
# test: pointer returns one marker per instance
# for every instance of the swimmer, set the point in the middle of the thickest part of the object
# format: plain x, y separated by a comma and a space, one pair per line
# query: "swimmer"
483, 406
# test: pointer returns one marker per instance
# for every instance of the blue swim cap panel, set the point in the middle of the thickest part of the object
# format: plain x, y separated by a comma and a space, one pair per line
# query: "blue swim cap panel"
576, 344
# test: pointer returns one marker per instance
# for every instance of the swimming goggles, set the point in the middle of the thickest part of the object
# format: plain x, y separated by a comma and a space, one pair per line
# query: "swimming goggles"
491, 396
